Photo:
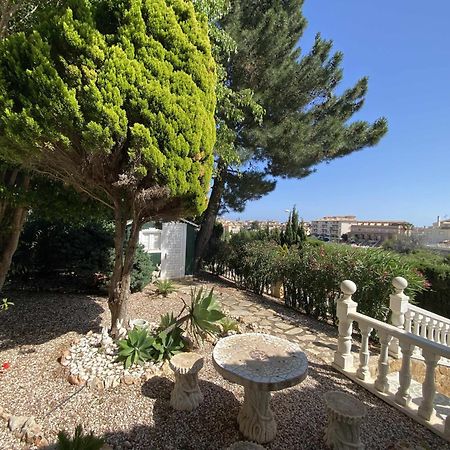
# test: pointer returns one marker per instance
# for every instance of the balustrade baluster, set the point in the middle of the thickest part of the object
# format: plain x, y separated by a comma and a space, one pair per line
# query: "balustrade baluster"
363, 370
408, 320
399, 305
343, 357
431, 330
381, 383
417, 319
446, 338
439, 328
424, 326
426, 408
402, 396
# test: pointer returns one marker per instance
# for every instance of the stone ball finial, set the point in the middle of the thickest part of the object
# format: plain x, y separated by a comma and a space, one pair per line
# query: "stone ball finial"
399, 283
348, 287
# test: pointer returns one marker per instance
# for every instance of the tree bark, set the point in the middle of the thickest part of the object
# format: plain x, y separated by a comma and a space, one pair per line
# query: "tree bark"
12, 219
209, 217
119, 288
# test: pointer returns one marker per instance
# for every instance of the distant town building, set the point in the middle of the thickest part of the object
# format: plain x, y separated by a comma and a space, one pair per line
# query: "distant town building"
438, 233
332, 227
378, 231
234, 226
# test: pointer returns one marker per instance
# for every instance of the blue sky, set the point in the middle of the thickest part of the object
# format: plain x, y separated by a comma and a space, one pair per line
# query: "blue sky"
403, 46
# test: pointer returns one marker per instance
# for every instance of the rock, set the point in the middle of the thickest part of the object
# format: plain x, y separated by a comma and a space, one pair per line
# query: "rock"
17, 422
127, 444
40, 441
75, 380
128, 380
5, 415
106, 447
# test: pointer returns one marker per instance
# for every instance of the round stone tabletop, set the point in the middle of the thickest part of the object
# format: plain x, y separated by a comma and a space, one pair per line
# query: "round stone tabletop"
260, 361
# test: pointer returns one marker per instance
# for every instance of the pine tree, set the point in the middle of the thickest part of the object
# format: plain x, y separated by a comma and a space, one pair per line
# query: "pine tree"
305, 122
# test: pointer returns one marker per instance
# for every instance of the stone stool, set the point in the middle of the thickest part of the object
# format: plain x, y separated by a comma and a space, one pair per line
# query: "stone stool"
345, 413
245, 445
186, 394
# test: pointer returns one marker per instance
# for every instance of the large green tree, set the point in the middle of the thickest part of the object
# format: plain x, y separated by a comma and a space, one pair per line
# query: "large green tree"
116, 99
305, 120
16, 184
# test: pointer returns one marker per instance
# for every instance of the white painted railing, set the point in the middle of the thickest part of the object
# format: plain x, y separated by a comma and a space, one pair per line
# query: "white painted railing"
405, 341
415, 320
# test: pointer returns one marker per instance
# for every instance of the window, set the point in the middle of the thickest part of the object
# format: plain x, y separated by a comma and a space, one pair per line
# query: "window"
151, 240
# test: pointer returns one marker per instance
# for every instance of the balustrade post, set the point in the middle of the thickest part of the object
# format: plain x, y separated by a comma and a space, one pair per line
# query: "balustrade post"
399, 305
363, 372
343, 357
402, 396
381, 383
426, 408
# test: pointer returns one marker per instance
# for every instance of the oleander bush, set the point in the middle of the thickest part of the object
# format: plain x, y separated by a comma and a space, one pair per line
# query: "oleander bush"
311, 275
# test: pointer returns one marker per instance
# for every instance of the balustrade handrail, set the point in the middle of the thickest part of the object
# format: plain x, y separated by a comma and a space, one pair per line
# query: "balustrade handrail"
398, 333
429, 314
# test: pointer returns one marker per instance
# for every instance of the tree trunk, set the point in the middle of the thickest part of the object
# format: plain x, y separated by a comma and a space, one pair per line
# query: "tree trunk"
119, 288
209, 217
12, 219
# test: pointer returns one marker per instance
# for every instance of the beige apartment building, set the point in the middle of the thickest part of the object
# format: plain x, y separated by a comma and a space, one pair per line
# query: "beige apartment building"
378, 230
332, 227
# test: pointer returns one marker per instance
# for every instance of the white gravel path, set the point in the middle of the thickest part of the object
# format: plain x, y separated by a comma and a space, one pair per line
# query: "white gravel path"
35, 331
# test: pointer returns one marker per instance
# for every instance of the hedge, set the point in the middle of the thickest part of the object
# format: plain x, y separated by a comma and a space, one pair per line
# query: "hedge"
311, 275
81, 255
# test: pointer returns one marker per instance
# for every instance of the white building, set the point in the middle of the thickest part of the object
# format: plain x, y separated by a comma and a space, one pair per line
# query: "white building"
439, 233
332, 227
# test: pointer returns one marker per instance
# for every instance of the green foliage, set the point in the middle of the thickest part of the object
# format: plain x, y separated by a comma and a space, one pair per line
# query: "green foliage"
80, 441
79, 251
167, 343
227, 324
294, 233
5, 304
137, 348
117, 99
403, 244
311, 275
142, 270
165, 287
204, 314
436, 269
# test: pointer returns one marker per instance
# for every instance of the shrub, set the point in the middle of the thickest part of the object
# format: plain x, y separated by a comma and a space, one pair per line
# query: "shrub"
143, 268
80, 441
312, 275
436, 270
164, 287
81, 253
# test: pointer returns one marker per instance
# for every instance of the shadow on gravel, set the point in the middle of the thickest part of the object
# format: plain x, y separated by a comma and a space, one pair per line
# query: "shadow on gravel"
207, 427
37, 318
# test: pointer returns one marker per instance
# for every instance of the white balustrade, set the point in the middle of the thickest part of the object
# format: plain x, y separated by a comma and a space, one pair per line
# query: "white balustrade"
413, 328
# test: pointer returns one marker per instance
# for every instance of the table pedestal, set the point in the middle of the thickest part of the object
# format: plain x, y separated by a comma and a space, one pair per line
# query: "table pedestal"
255, 418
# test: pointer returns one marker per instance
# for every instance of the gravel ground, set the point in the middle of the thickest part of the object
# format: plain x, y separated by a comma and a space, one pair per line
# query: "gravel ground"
35, 331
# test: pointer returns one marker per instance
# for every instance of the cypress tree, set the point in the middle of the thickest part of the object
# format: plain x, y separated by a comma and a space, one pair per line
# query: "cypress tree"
116, 99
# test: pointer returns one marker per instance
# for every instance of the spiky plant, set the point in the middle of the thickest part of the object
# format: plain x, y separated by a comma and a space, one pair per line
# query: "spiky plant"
80, 441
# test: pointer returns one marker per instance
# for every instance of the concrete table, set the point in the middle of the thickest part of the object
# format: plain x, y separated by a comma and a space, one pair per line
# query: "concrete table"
261, 363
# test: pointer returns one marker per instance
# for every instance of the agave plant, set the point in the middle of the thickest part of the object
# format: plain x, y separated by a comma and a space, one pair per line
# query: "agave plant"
80, 441
137, 348
204, 314
165, 287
